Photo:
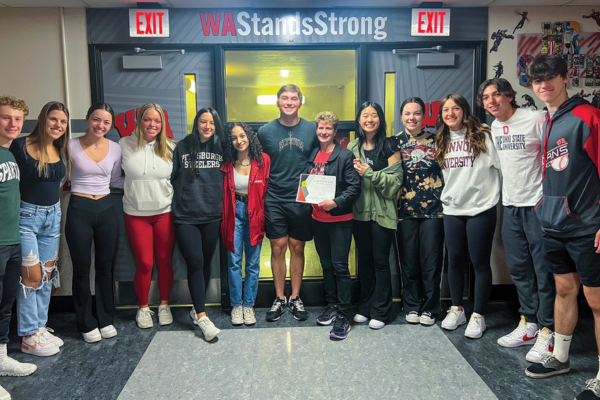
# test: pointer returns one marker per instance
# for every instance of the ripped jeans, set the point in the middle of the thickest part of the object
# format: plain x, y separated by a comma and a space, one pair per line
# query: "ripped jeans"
40, 238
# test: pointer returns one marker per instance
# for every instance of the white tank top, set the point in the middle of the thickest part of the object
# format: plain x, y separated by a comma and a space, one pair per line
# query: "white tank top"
240, 182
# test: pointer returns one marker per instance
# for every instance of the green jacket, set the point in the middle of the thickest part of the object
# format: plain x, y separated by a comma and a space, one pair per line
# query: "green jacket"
379, 196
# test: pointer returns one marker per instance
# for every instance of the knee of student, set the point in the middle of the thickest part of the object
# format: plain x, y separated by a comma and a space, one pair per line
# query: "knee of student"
279, 247
296, 247
592, 295
566, 287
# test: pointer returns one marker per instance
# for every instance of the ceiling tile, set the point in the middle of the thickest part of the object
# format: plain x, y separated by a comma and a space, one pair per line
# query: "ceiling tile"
43, 3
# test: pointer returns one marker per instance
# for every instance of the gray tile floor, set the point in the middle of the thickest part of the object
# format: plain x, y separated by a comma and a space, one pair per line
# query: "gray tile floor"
399, 361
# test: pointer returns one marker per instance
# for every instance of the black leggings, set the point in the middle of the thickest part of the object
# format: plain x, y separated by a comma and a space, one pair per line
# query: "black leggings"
90, 221
470, 238
373, 244
198, 244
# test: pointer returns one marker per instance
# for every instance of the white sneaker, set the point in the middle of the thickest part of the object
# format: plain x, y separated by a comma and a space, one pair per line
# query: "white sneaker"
37, 345
375, 324
249, 316
194, 315
523, 335
454, 318
413, 317
543, 346
4, 395
476, 326
11, 367
427, 319
47, 334
143, 318
164, 315
209, 330
237, 315
361, 319
92, 336
108, 331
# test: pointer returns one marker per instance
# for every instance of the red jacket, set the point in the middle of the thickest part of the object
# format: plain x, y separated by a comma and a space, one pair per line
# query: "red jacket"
257, 189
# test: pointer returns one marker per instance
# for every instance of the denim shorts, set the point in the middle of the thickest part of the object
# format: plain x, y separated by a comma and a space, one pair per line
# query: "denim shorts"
39, 228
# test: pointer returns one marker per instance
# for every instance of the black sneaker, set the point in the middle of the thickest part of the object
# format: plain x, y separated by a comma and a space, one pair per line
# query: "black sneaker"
592, 390
297, 309
327, 315
278, 308
341, 327
549, 366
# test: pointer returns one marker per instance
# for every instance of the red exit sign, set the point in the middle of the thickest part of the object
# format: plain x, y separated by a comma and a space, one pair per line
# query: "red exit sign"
430, 22
148, 23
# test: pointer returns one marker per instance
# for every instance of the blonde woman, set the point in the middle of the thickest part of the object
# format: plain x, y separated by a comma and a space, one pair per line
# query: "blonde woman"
148, 163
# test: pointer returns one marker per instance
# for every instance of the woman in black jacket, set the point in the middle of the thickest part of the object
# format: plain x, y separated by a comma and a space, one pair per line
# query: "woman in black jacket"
332, 223
197, 182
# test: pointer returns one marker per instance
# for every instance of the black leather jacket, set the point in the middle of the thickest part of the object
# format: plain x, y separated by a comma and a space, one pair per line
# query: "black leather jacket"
340, 164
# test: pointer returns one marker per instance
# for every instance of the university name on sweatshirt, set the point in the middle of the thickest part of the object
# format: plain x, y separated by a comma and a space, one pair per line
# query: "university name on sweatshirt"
8, 171
203, 160
459, 161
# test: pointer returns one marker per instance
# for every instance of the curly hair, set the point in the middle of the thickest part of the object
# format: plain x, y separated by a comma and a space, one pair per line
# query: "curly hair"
254, 147
327, 117
15, 103
475, 131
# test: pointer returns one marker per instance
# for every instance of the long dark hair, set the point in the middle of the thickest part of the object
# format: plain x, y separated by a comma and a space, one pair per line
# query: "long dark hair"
475, 131
254, 147
411, 100
380, 135
39, 138
217, 141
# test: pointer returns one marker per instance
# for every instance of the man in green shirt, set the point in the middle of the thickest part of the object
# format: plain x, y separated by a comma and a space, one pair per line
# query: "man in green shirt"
12, 116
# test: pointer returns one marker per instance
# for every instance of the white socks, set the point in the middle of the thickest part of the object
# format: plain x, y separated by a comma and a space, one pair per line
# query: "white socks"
3, 351
562, 344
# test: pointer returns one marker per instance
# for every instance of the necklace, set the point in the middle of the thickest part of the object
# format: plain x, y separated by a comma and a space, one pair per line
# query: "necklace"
242, 164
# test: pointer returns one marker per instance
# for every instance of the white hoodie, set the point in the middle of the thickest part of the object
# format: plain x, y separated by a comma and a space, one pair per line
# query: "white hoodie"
148, 189
471, 186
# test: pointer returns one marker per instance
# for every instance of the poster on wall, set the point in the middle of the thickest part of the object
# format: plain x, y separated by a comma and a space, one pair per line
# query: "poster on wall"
580, 50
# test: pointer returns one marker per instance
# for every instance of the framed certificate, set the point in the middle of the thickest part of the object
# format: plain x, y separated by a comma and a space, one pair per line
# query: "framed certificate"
314, 189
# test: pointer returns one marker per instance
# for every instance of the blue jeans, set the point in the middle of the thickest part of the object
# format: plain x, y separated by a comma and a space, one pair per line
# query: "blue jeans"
40, 239
241, 242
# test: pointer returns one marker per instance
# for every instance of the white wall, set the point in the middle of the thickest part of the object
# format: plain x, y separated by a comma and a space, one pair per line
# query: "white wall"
32, 58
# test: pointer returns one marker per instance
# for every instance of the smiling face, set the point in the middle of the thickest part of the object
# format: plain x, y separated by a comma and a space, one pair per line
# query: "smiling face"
206, 126
552, 91
56, 124
497, 104
452, 115
99, 122
412, 117
11, 124
289, 104
239, 139
369, 120
151, 125
326, 132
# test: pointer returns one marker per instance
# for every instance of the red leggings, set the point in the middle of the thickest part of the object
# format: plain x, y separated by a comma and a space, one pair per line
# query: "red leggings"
150, 236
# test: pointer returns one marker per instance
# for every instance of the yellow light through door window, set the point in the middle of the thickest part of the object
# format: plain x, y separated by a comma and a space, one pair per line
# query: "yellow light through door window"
390, 102
190, 101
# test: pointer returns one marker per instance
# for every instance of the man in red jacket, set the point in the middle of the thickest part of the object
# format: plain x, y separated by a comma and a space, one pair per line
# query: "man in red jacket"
569, 211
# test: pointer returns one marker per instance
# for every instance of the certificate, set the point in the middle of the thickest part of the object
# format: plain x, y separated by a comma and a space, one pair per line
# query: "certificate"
315, 188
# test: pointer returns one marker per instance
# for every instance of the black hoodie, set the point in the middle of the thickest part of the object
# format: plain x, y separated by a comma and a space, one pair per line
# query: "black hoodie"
199, 199
570, 205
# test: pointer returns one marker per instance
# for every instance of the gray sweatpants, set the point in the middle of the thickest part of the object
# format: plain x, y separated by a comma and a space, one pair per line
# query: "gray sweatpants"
523, 245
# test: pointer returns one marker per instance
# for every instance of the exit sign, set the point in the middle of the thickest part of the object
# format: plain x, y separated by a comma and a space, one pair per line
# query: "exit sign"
430, 22
148, 23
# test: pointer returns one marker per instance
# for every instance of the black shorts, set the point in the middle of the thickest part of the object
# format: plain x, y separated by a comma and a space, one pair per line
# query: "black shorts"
288, 219
573, 254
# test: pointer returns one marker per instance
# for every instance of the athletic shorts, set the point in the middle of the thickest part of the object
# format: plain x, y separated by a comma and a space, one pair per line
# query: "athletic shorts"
573, 254
288, 219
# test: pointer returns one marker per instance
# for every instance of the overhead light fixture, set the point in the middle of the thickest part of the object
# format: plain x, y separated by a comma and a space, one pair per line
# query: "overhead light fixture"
266, 100
284, 73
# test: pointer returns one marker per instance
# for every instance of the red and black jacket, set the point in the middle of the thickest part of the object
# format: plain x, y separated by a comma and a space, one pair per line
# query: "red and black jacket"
570, 205
257, 189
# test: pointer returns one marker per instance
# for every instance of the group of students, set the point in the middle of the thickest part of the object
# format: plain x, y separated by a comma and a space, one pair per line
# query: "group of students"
417, 188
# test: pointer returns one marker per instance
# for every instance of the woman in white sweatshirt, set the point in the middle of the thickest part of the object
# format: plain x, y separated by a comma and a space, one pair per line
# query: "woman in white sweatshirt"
471, 171
148, 163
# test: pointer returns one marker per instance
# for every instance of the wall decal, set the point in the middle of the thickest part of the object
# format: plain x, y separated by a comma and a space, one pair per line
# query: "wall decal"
529, 101
499, 69
497, 38
522, 21
595, 15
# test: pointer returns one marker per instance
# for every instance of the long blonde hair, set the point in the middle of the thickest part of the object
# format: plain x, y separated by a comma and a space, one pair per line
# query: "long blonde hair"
40, 139
163, 145
475, 131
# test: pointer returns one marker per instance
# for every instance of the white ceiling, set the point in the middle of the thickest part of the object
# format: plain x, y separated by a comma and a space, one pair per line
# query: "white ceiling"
287, 3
